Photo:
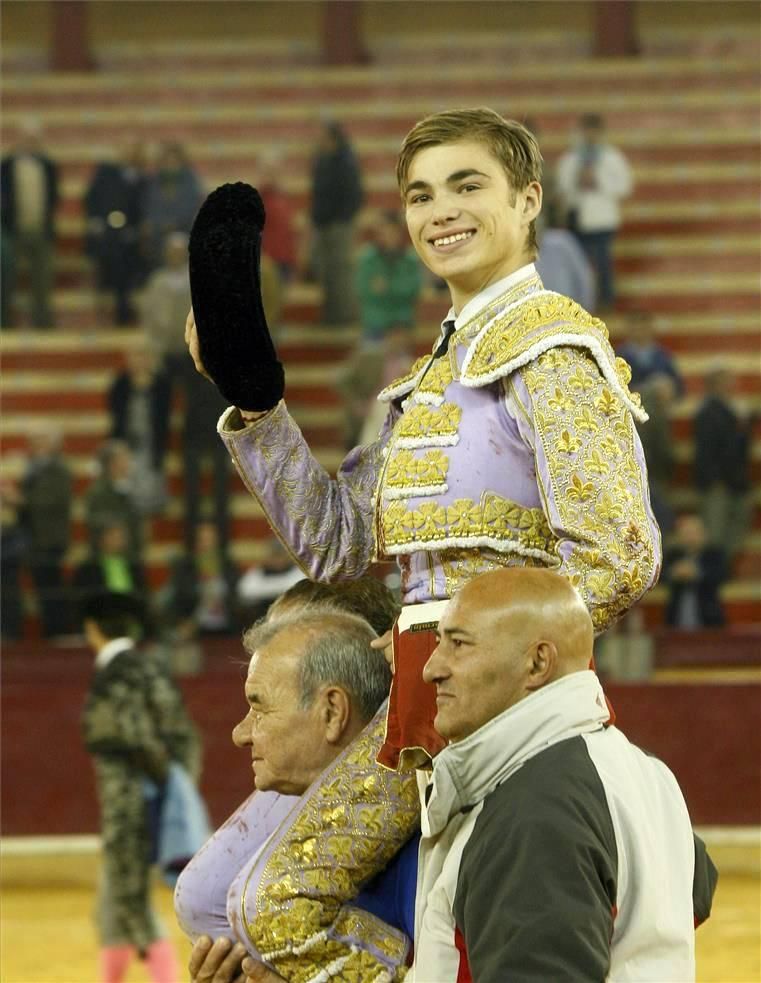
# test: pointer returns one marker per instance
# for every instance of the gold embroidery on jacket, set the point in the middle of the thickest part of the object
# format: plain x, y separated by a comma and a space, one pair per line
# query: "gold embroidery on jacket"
279, 445
347, 830
596, 483
461, 565
405, 471
406, 382
422, 422
434, 383
491, 517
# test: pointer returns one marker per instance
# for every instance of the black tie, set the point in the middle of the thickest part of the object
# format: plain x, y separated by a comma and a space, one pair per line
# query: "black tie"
441, 349
444, 343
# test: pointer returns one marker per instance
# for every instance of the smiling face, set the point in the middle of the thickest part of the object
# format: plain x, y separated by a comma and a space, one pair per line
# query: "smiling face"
287, 741
466, 222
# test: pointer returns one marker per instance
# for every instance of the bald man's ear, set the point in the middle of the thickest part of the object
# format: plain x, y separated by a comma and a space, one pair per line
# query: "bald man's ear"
335, 707
543, 666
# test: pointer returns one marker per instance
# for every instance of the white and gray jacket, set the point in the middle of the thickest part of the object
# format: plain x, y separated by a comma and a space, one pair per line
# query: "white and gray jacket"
553, 849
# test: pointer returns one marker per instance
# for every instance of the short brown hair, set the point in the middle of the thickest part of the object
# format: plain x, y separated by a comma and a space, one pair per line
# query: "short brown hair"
366, 596
514, 146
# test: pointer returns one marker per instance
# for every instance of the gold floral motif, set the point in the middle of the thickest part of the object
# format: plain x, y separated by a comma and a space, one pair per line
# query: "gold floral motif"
463, 517
568, 443
586, 420
405, 470
613, 558
426, 520
623, 371
597, 463
461, 565
606, 402
434, 383
422, 421
348, 828
492, 516
579, 490
560, 401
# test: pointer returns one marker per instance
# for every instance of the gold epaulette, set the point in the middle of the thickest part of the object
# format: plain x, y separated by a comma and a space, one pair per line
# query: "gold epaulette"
532, 327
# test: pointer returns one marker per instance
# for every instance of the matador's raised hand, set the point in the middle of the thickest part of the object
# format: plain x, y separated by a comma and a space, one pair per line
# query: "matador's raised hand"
235, 346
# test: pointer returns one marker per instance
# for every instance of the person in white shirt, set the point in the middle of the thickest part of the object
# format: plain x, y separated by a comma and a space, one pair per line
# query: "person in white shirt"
593, 178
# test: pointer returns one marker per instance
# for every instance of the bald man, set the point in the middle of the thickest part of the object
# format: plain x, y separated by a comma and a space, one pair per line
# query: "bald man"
552, 849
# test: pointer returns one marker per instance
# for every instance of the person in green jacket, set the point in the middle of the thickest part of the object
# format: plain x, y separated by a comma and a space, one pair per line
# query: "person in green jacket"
388, 280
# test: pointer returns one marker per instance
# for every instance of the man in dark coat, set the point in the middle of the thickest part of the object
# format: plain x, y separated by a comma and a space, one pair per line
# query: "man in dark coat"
114, 209
44, 515
28, 198
336, 199
694, 572
722, 464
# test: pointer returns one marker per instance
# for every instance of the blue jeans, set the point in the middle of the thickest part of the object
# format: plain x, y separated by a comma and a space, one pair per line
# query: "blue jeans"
599, 248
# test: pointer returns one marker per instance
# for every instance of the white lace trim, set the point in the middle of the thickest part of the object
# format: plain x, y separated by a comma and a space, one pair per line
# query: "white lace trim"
296, 950
435, 440
332, 969
429, 398
411, 491
473, 542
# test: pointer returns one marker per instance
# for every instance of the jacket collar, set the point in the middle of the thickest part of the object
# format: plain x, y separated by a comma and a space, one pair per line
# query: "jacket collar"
495, 290
465, 773
111, 649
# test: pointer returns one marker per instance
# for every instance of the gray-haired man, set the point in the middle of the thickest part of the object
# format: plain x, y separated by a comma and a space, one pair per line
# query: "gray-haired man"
316, 691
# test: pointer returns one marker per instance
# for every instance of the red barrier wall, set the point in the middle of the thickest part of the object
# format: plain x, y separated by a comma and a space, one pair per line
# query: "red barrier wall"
708, 734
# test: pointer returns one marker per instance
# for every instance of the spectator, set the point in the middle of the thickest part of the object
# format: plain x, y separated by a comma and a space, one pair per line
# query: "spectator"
562, 263
140, 404
658, 396
549, 188
29, 196
593, 178
45, 520
165, 304
388, 280
260, 585
110, 565
111, 498
336, 199
201, 596
113, 206
12, 555
643, 353
279, 239
316, 687
694, 573
722, 464
367, 371
173, 196
200, 444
